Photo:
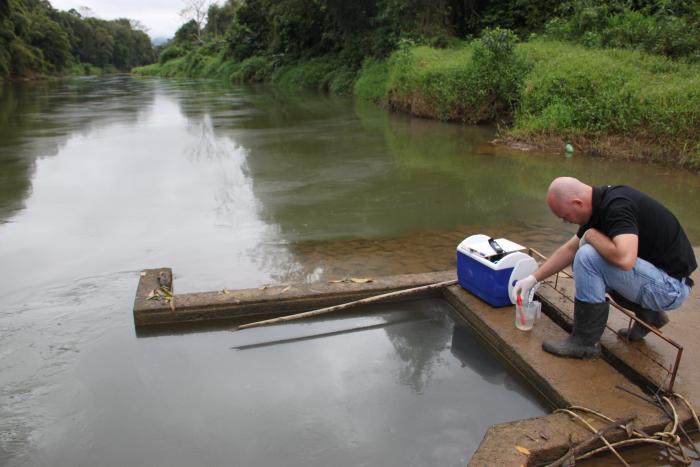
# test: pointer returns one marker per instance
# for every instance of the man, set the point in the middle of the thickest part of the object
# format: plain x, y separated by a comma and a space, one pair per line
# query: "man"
627, 244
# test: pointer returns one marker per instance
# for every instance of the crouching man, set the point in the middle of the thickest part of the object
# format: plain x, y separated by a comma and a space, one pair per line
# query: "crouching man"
628, 244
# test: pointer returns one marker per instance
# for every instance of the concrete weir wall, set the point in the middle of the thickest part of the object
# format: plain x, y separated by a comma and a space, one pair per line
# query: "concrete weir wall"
593, 384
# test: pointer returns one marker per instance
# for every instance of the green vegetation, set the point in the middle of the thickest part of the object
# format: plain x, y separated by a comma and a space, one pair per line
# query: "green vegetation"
473, 83
662, 27
605, 75
609, 76
36, 39
547, 88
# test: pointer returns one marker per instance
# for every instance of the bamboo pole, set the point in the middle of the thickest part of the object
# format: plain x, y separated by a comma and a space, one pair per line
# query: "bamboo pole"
343, 306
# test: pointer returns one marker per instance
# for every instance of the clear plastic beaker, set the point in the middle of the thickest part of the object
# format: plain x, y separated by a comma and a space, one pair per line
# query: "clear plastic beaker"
525, 314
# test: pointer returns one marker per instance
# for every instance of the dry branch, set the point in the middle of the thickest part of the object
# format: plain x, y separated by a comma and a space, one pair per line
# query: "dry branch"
584, 445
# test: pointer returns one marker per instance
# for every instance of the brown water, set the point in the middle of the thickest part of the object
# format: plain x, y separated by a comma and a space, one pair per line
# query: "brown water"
100, 178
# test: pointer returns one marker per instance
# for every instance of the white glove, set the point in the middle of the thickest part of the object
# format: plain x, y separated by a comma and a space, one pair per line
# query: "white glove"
582, 241
526, 288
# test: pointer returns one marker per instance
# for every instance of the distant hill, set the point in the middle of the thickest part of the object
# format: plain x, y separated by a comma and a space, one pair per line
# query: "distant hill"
159, 40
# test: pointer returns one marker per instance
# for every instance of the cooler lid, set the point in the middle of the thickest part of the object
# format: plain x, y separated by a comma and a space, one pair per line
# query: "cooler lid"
479, 245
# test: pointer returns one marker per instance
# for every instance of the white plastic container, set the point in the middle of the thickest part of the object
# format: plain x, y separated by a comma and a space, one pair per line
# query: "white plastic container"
525, 315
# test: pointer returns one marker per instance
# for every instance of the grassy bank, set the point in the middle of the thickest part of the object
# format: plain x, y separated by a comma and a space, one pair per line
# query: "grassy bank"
326, 74
610, 102
614, 103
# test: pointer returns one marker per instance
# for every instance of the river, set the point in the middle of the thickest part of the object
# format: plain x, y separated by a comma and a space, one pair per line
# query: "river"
242, 187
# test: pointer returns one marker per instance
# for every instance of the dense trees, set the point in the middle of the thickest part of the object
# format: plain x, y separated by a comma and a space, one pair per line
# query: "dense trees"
296, 29
36, 38
293, 30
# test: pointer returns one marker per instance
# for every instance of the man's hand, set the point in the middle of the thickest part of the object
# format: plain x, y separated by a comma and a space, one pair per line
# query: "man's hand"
526, 287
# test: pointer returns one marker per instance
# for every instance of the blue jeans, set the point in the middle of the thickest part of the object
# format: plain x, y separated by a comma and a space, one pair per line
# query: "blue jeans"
644, 284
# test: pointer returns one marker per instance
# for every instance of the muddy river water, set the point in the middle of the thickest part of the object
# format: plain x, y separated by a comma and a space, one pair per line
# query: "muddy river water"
242, 187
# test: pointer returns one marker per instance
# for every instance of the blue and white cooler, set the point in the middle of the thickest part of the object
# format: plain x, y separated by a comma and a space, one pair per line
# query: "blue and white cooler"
490, 268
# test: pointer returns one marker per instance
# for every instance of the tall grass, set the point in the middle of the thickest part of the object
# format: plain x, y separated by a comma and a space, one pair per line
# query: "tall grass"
474, 82
323, 74
539, 88
371, 81
575, 90
552, 88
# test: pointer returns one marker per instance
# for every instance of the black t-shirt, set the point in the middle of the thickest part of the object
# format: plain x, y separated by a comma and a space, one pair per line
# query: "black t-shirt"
619, 209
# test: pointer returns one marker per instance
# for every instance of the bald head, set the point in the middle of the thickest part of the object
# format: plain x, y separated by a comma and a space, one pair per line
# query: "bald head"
570, 199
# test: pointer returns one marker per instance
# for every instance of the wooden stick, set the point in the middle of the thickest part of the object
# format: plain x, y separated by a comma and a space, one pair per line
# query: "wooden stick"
581, 447
343, 306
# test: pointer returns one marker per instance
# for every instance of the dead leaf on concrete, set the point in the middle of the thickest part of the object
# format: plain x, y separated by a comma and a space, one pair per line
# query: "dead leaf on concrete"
361, 280
522, 450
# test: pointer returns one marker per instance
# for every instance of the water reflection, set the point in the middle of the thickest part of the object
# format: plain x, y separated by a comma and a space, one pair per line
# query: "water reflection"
421, 362
235, 188
38, 117
474, 356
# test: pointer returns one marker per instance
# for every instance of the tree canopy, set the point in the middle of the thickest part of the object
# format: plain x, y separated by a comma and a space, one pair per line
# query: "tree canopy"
302, 29
36, 38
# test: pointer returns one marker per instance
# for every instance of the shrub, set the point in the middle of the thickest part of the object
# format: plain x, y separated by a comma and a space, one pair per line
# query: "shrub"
341, 81
253, 70
316, 74
655, 28
499, 69
571, 89
170, 53
473, 83
371, 83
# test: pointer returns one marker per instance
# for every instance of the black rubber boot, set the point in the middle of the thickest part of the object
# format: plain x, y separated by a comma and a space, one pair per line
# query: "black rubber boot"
658, 319
589, 323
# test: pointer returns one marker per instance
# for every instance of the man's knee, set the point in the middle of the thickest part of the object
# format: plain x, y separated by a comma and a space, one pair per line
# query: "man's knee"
587, 256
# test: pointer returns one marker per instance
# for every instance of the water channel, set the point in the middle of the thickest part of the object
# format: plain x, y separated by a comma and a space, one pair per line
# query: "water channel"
242, 187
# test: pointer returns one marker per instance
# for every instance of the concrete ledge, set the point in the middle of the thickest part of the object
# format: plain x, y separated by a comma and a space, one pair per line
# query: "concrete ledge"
247, 304
562, 382
149, 281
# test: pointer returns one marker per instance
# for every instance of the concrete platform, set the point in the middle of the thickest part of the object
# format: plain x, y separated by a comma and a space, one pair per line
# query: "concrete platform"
560, 382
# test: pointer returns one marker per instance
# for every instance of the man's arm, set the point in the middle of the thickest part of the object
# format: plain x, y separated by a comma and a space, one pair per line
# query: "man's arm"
621, 251
561, 258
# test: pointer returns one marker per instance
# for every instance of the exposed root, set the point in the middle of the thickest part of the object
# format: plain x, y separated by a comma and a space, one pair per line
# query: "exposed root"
667, 439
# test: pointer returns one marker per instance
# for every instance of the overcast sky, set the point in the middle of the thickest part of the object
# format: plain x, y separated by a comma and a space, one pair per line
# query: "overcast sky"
161, 17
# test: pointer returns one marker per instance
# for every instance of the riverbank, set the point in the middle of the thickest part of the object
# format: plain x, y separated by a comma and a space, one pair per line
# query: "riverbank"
605, 102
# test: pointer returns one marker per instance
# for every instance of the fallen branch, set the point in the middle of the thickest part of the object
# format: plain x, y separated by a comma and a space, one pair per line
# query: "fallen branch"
584, 445
667, 439
343, 306
598, 436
